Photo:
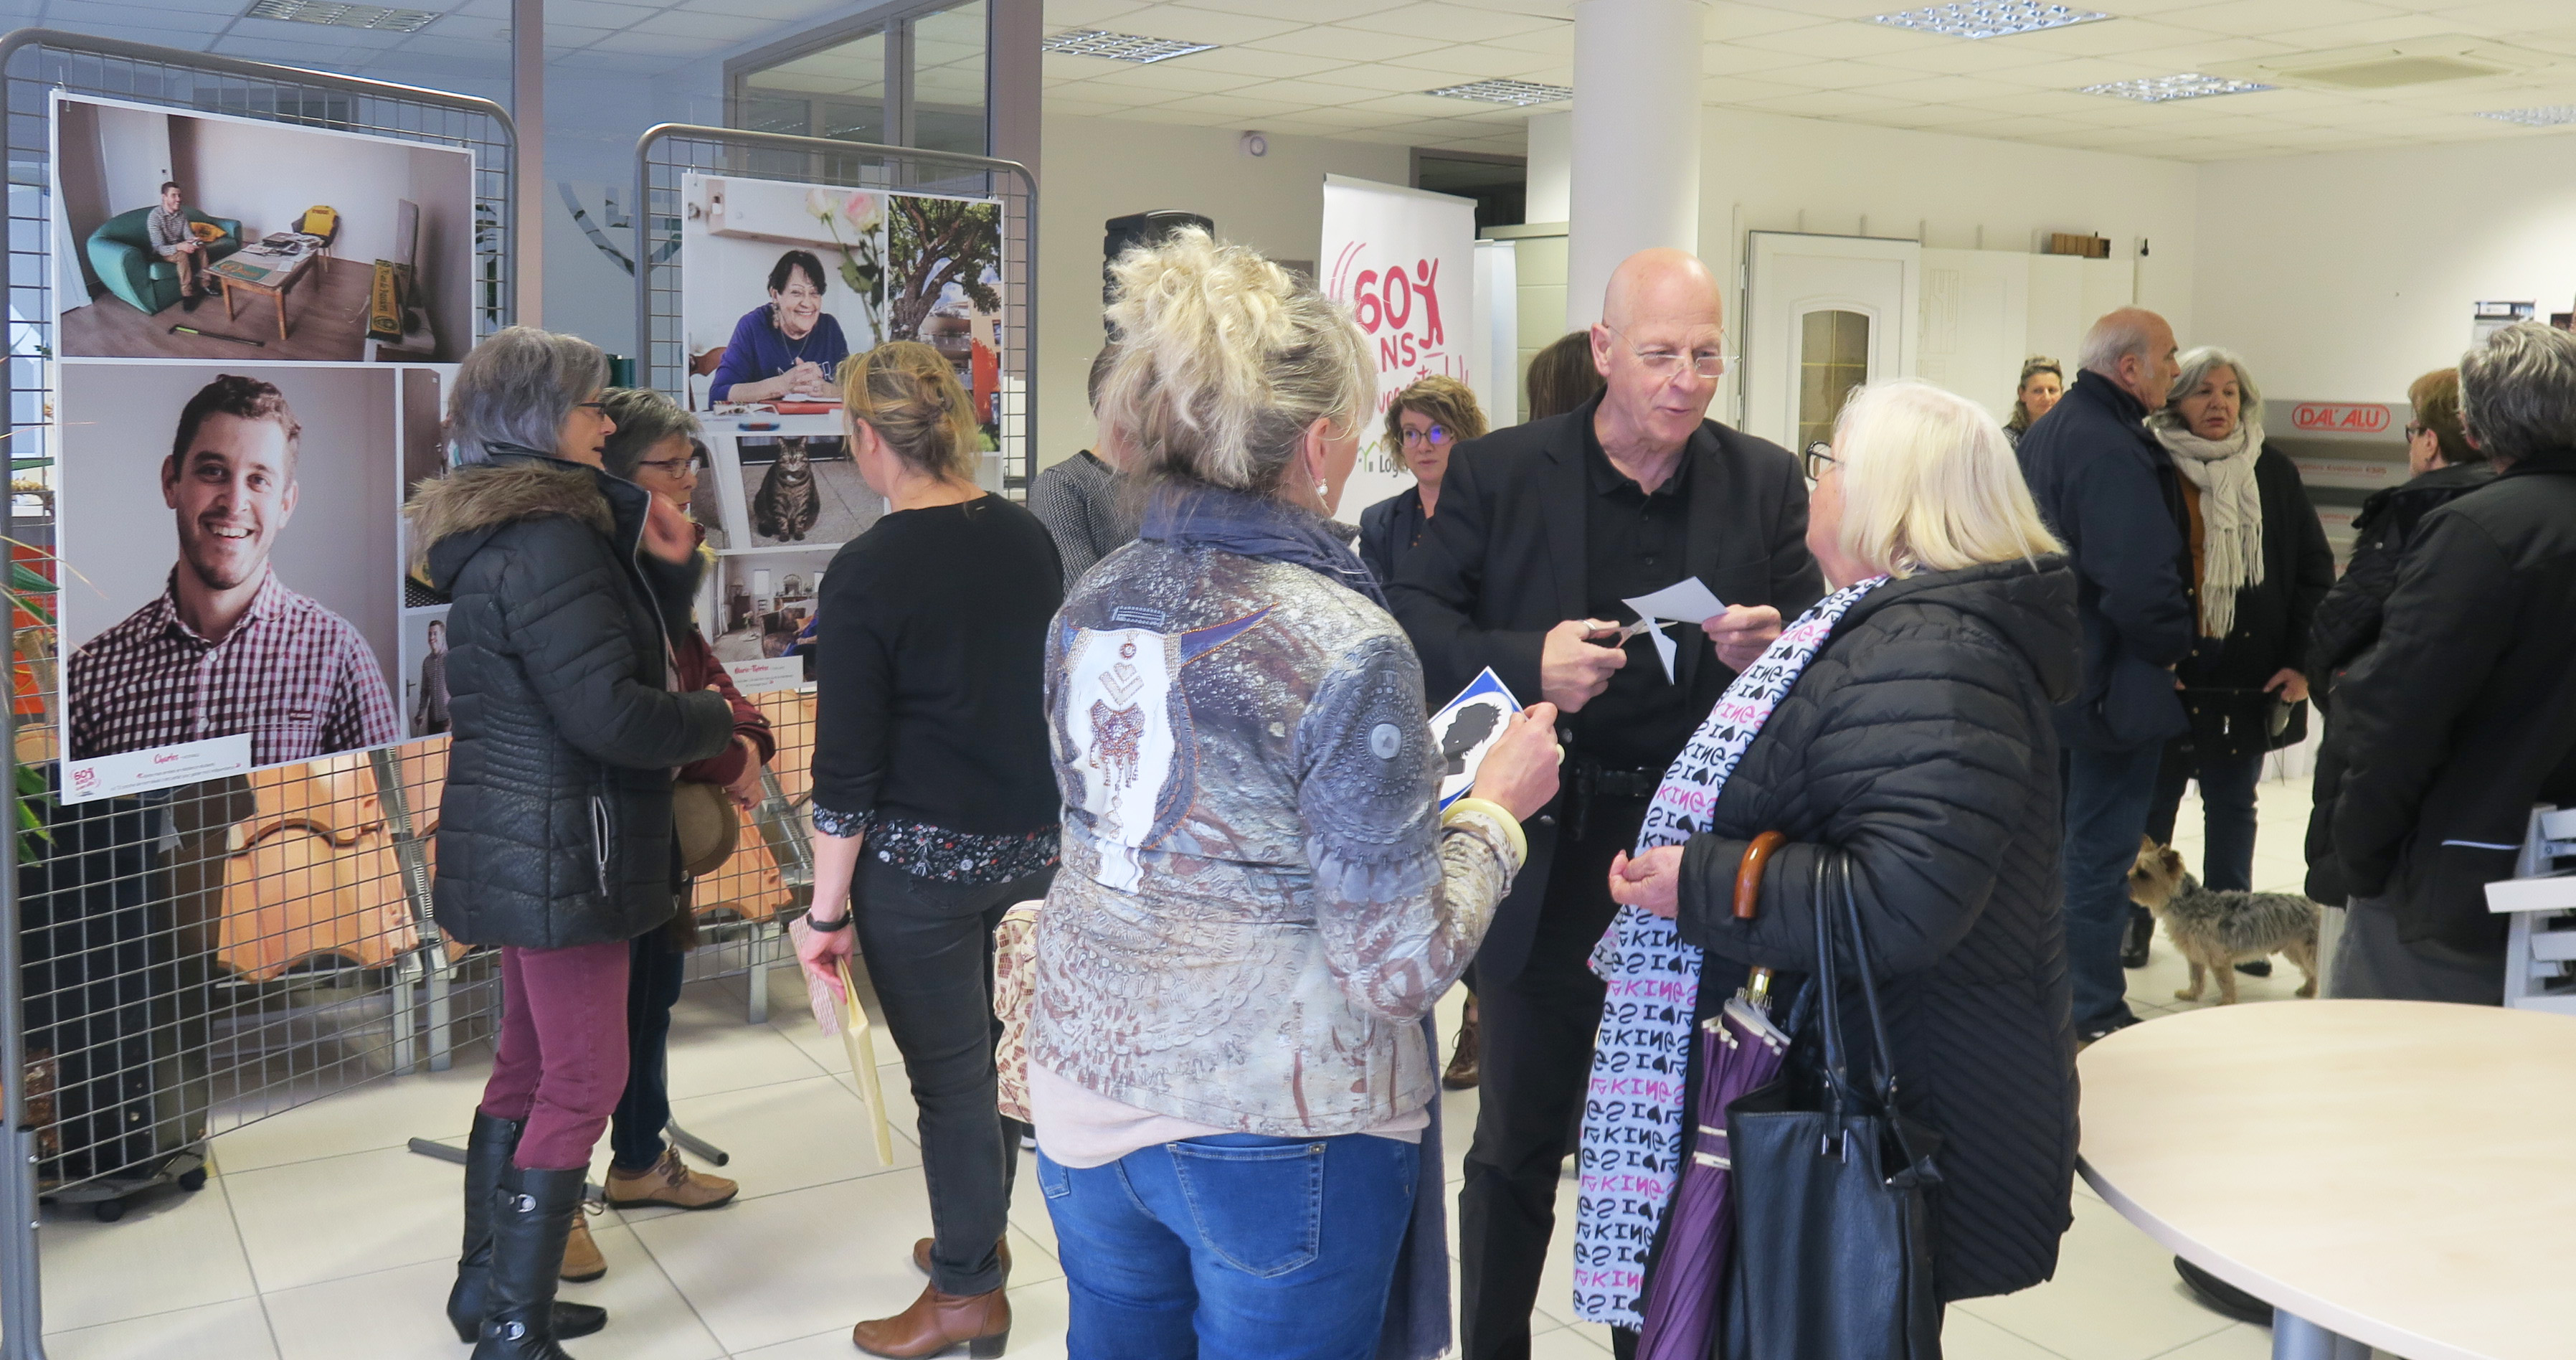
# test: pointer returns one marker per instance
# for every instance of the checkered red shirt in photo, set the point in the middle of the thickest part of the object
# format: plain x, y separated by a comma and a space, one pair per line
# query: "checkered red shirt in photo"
295, 676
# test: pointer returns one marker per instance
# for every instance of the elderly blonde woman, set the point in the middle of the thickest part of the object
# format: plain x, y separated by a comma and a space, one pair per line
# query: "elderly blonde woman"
2259, 568
1229, 1068
1901, 725
1424, 422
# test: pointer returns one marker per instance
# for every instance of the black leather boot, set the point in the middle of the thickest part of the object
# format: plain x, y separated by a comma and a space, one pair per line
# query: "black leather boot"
487, 1151
2135, 940
531, 1217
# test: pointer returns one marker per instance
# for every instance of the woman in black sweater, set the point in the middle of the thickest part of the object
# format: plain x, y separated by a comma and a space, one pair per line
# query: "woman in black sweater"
930, 754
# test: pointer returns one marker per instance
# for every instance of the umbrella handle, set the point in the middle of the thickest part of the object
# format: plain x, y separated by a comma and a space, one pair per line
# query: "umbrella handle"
1748, 892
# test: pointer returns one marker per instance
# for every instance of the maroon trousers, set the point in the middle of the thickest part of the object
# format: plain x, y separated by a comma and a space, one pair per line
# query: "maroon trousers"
560, 1063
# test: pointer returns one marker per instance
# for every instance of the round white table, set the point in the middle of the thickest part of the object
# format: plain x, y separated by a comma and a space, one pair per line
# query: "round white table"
2385, 1173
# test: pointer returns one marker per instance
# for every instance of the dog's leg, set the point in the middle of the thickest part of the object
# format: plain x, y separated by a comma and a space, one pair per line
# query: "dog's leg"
2226, 970
2304, 954
2192, 992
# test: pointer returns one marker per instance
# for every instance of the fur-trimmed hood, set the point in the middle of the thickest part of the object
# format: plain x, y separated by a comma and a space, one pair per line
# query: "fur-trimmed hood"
451, 516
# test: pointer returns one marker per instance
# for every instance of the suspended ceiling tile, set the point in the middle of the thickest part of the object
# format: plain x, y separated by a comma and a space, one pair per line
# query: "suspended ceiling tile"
1255, 61
1726, 21
1463, 62
1828, 75
589, 13
1174, 76
1831, 9
1060, 106
679, 22
1400, 108
2507, 15
1945, 89
1825, 104
561, 36
1963, 58
1362, 80
1844, 41
652, 44
2370, 33
1348, 44
2271, 17
1733, 91
2110, 38
1230, 108
1926, 117
1556, 41
1451, 23
1186, 24
1176, 117
1085, 13
1312, 11
1725, 59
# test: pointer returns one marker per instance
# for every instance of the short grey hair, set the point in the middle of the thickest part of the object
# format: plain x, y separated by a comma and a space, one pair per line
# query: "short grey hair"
2518, 391
644, 418
2197, 365
517, 388
2121, 333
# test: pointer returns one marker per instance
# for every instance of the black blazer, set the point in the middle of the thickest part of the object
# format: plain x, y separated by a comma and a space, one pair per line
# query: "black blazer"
1505, 560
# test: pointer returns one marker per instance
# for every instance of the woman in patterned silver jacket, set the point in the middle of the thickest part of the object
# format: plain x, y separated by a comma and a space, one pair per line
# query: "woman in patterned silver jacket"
1260, 900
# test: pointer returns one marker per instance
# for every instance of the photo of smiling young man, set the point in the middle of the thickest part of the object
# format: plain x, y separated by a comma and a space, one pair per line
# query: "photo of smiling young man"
227, 647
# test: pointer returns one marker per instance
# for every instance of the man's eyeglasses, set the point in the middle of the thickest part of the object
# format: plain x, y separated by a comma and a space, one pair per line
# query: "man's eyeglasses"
1817, 458
1437, 434
1667, 363
597, 408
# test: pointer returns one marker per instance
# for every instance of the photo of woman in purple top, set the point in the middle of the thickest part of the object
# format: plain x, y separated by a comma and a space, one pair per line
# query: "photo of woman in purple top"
788, 346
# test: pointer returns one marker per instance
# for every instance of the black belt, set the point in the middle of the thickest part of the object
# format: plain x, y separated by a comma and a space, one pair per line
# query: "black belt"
1593, 780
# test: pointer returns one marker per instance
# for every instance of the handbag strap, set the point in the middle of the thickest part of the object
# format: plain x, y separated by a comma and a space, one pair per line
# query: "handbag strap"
1837, 1075
1882, 1063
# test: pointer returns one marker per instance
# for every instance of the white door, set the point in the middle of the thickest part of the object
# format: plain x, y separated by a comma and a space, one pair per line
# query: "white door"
1823, 315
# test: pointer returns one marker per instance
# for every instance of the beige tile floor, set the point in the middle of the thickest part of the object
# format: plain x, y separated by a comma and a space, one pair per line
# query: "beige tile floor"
321, 1238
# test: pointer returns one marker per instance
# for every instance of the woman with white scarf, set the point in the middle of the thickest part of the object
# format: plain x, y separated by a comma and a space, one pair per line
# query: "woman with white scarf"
2260, 564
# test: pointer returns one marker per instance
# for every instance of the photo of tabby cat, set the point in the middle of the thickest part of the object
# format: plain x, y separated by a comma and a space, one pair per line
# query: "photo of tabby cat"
787, 505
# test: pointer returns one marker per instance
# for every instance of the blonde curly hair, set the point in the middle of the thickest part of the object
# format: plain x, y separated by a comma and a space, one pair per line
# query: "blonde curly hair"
1223, 363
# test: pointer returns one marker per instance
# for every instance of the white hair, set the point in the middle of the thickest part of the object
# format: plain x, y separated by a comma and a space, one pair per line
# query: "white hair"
2518, 391
1929, 483
1223, 363
516, 388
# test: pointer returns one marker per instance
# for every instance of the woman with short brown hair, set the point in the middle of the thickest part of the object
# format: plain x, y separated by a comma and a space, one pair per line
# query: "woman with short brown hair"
1423, 423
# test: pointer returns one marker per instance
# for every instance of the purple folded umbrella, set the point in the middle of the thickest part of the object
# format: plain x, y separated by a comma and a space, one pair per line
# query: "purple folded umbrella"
1740, 1049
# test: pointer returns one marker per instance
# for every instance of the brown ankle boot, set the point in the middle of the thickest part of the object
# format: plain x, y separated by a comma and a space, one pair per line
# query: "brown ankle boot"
1464, 1068
937, 1321
582, 1262
921, 1254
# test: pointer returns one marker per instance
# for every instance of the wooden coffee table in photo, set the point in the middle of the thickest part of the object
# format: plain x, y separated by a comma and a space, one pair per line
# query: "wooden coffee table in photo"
264, 272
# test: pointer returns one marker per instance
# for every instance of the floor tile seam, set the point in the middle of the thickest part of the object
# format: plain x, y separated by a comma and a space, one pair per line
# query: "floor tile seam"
276, 1344
1964, 1306
2223, 1325
746, 1197
723, 1351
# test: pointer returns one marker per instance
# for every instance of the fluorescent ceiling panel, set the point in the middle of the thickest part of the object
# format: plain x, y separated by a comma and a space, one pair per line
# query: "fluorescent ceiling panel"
1988, 18
1522, 93
2545, 115
1096, 42
342, 16
2165, 89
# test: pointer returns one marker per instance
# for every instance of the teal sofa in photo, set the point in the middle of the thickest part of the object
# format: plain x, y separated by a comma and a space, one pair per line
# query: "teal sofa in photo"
121, 253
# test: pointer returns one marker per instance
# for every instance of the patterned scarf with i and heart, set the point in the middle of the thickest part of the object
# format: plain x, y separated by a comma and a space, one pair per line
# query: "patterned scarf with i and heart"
1632, 1114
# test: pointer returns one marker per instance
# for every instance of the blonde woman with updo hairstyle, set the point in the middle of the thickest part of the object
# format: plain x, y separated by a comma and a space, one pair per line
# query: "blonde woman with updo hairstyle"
1230, 1067
934, 801
1902, 730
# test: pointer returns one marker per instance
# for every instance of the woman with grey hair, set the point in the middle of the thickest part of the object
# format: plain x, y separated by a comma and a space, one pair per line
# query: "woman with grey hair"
555, 840
2259, 566
1261, 899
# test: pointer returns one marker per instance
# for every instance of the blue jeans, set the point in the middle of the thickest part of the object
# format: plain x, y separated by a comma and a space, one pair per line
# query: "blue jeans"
2227, 812
2107, 794
1234, 1247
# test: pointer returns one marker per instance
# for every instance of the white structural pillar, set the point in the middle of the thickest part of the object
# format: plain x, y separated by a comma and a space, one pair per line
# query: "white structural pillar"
1636, 140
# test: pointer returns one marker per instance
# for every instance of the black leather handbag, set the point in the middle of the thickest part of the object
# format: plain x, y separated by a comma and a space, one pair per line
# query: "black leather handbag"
1834, 1253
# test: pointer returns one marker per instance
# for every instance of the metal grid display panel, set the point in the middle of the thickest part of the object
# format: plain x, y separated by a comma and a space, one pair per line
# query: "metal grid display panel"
198, 958
670, 152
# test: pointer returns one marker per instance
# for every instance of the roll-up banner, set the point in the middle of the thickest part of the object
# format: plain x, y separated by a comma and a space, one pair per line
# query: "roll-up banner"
1403, 260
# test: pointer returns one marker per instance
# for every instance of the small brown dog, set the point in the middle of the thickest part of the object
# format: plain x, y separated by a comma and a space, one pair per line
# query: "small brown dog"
2218, 930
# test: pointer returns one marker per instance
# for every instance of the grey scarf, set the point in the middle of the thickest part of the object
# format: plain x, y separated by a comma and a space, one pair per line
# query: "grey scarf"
2231, 511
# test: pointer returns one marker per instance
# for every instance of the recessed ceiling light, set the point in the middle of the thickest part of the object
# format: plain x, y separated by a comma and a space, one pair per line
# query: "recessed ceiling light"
2162, 89
1098, 42
1517, 92
342, 16
2546, 115
1988, 18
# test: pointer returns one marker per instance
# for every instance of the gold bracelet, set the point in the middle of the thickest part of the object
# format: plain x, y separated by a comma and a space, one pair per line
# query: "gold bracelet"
1500, 816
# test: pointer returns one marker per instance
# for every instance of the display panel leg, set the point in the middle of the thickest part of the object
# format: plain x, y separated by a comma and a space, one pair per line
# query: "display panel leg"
756, 982
2296, 1338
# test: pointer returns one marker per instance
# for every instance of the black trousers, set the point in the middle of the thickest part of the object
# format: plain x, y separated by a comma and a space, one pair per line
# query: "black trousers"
929, 951
1537, 1035
652, 989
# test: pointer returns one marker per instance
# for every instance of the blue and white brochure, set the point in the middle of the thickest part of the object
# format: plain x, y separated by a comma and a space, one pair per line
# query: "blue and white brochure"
1466, 728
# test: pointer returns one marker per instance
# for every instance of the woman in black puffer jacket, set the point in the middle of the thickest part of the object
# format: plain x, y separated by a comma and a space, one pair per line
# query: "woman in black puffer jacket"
1918, 746
555, 839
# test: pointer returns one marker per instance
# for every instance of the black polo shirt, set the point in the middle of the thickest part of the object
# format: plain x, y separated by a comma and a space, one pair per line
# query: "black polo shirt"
1634, 544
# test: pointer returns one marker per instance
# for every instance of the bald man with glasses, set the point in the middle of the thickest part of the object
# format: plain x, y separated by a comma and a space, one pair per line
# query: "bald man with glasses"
1543, 529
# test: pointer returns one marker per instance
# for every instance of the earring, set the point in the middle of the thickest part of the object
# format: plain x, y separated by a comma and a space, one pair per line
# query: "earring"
1321, 489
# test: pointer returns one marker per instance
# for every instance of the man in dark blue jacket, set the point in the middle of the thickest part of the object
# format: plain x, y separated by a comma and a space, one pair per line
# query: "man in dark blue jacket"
2109, 491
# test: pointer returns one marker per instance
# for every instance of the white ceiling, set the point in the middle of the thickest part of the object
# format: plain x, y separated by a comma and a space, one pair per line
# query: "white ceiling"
1356, 69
